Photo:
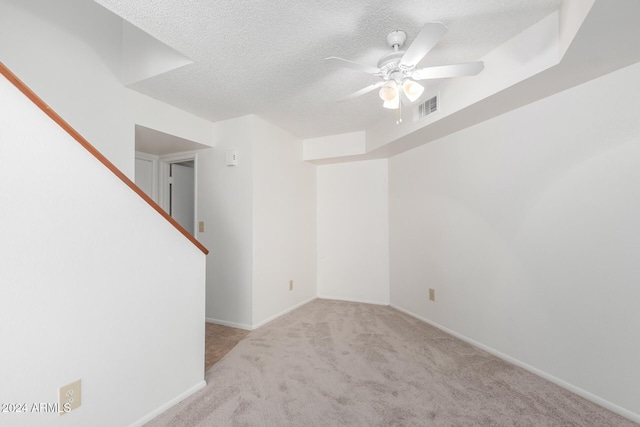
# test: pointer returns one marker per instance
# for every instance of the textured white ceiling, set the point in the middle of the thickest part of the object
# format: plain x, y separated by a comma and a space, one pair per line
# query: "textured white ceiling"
266, 57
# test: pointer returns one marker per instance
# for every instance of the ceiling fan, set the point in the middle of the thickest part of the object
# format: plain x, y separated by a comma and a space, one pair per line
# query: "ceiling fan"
397, 69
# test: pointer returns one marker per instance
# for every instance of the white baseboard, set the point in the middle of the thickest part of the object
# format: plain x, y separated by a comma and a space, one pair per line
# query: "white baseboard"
572, 388
363, 301
282, 313
230, 324
179, 398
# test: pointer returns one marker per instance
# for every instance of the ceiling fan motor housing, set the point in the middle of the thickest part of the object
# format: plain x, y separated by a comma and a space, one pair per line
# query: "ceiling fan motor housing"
395, 39
390, 61
390, 65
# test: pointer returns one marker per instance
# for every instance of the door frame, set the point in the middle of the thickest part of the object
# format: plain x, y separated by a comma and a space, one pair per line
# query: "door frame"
164, 163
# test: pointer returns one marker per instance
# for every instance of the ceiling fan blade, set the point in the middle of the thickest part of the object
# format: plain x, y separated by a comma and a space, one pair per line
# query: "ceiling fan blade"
362, 91
444, 71
353, 65
428, 37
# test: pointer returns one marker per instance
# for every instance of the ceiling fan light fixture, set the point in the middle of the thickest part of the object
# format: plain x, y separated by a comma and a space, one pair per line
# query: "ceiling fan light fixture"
389, 91
392, 104
412, 89
397, 70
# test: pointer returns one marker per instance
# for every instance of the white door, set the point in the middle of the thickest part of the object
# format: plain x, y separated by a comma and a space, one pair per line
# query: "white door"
182, 194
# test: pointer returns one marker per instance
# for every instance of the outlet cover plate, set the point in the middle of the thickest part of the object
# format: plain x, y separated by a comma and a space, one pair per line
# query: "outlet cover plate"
70, 397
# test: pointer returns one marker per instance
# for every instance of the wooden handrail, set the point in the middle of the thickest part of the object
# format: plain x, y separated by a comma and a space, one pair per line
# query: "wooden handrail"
94, 152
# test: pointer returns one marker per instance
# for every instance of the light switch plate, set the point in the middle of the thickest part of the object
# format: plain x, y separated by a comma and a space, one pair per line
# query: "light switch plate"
232, 158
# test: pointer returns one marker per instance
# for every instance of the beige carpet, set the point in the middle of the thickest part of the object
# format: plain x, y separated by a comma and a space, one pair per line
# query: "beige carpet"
332, 363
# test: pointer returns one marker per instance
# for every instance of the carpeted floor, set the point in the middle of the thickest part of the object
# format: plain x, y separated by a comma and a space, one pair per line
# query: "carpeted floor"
333, 363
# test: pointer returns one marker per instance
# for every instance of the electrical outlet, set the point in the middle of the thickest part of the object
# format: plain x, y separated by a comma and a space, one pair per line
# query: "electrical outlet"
290, 285
70, 397
432, 294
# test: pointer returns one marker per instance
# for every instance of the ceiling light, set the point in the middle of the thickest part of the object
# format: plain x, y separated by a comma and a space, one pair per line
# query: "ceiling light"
412, 89
389, 91
397, 69
392, 104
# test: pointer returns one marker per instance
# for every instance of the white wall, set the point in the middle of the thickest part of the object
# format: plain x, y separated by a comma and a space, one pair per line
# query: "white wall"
69, 75
353, 232
259, 223
284, 221
95, 284
69, 54
527, 227
332, 146
225, 204
150, 113
144, 176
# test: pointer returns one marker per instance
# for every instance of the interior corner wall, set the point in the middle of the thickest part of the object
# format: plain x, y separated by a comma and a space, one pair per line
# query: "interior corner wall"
225, 205
527, 227
284, 223
353, 231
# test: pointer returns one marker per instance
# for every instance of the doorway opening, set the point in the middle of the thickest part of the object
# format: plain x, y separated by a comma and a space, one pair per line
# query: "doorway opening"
166, 169
178, 189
